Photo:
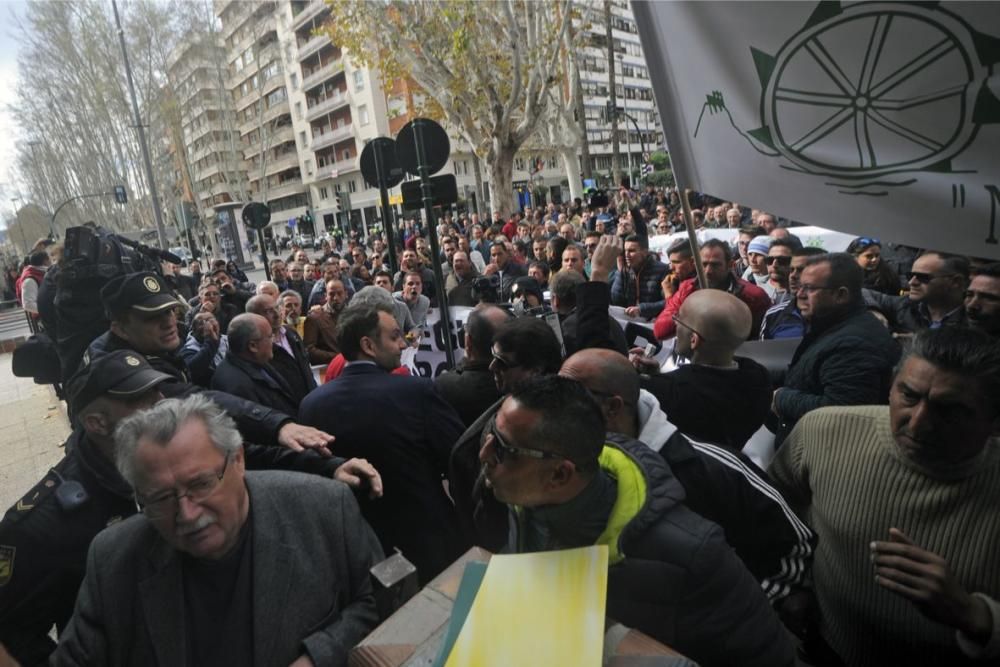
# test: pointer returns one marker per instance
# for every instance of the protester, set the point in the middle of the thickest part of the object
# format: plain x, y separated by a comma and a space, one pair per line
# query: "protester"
982, 300
195, 564
904, 500
30, 280
246, 371
289, 357
404, 427
783, 320
459, 281
846, 357
636, 287
757, 260
716, 259
936, 296
413, 298
204, 349
563, 292
671, 573
320, 332
879, 276
710, 326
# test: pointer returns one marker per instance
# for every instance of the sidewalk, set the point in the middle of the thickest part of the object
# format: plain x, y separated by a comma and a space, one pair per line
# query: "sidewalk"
33, 425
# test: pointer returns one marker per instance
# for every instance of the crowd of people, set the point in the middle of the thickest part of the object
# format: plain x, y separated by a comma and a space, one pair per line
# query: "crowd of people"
194, 519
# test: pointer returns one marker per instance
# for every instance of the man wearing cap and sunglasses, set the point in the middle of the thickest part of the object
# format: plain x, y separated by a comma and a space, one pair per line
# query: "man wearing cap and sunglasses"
44, 537
936, 295
671, 573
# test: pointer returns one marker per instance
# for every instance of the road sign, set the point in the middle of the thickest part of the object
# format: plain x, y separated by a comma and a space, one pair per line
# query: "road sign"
443, 187
392, 173
256, 215
436, 146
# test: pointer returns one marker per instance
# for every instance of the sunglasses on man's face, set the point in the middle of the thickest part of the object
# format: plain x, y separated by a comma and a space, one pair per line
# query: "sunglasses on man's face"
782, 261
925, 278
502, 450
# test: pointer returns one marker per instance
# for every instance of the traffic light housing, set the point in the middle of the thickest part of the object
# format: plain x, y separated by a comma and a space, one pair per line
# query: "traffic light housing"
121, 196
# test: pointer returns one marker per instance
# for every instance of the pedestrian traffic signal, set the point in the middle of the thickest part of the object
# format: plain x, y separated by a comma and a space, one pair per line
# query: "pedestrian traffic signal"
121, 196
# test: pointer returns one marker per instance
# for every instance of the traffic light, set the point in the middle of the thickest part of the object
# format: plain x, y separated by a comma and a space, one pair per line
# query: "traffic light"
121, 196
338, 202
609, 111
307, 217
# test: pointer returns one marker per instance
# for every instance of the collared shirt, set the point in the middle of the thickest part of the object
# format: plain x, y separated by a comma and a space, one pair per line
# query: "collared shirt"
282, 341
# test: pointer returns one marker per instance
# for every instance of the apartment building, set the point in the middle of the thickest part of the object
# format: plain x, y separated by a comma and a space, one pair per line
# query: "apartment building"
210, 171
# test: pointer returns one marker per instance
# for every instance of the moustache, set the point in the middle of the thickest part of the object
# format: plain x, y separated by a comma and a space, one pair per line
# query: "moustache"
204, 521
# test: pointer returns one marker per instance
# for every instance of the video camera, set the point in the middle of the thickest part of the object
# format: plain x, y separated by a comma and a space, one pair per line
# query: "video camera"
486, 289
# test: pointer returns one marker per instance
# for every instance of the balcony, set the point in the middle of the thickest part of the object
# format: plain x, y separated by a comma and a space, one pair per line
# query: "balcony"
337, 168
312, 45
312, 10
320, 75
330, 137
328, 105
283, 134
277, 111
288, 161
293, 188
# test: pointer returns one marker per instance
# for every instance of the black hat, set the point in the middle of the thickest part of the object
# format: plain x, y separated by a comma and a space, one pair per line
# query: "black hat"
524, 286
121, 374
145, 292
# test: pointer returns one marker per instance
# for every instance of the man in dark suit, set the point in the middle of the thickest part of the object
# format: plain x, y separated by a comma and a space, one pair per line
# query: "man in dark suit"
246, 371
221, 566
404, 428
290, 359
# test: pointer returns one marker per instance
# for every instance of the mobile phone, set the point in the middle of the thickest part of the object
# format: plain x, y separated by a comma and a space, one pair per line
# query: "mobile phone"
649, 351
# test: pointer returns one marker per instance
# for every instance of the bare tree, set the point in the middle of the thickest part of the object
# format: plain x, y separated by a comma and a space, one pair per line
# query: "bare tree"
486, 67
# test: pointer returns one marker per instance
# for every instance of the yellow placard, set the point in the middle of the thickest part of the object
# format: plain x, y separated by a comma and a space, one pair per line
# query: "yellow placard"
537, 609
395, 200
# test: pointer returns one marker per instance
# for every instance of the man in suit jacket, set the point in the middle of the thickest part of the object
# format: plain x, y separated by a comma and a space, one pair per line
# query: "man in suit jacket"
405, 429
290, 358
246, 371
225, 571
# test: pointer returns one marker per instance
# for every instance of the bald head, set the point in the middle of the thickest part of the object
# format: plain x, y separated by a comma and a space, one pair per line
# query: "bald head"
604, 372
723, 320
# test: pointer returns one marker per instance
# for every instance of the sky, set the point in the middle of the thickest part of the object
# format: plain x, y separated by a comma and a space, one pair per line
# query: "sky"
9, 10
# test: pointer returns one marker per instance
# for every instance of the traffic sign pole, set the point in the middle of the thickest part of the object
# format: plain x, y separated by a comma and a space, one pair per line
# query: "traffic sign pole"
423, 170
388, 224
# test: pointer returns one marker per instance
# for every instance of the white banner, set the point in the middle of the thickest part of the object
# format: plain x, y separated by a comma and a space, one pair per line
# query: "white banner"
827, 239
877, 119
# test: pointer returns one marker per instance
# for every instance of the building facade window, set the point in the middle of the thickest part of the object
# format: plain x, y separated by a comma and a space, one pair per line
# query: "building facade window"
359, 80
363, 114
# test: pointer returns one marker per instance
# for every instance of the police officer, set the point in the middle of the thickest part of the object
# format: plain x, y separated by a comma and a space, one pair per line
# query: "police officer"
44, 537
143, 319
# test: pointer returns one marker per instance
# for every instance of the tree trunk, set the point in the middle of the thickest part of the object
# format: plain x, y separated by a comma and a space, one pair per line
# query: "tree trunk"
572, 166
500, 165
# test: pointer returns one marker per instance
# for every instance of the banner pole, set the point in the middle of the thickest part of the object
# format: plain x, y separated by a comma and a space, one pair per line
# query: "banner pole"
692, 238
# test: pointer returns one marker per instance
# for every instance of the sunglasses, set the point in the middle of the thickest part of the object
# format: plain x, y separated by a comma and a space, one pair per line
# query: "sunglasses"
678, 322
503, 364
865, 241
501, 450
925, 278
782, 261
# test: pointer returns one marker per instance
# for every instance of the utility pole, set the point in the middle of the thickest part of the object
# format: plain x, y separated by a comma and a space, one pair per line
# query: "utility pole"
581, 114
616, 160
161, 232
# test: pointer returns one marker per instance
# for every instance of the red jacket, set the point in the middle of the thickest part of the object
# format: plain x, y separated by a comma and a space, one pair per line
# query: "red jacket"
509, 230
753, 296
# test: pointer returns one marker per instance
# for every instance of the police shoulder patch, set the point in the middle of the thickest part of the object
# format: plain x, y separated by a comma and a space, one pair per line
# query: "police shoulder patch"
35, 496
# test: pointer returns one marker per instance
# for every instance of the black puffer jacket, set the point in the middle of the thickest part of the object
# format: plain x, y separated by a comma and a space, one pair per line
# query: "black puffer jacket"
846, 363
672, 575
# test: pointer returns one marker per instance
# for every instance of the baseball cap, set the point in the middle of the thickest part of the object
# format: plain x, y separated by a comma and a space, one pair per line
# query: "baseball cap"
121, 374
759, 245
145, 292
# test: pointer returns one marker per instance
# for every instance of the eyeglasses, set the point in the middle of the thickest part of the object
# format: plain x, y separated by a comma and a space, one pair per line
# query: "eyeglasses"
501, 450
782, 261
809, 289
503, 364
198, 490
679, 322
925, 278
